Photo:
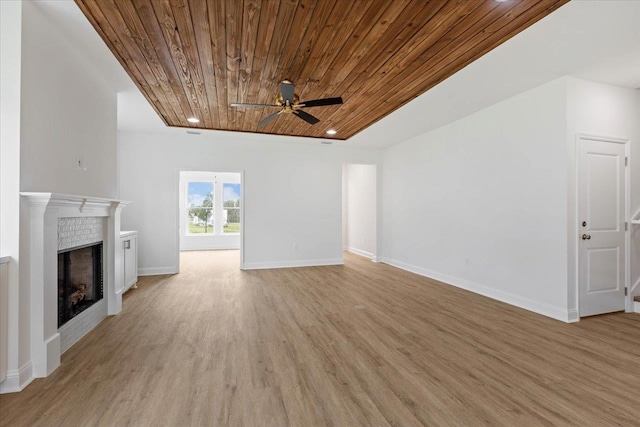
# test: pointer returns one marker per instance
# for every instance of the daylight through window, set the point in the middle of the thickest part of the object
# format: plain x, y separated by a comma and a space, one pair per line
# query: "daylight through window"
200, 202
231, 206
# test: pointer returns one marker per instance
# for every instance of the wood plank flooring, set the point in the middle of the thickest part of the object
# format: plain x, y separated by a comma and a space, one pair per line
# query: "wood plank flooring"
216, 346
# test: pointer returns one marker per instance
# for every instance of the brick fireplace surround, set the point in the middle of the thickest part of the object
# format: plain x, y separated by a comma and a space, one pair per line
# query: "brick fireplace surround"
52, 222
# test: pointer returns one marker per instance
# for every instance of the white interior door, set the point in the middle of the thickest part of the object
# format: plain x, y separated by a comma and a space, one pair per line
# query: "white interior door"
601, 227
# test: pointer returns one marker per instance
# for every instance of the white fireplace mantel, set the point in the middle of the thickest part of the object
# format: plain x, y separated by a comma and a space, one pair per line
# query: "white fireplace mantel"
40, 213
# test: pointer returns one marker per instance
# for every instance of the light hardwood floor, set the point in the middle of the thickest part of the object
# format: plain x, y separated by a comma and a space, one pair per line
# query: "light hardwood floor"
217, 346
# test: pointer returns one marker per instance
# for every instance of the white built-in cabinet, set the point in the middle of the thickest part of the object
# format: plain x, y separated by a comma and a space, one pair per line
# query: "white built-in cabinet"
129, 241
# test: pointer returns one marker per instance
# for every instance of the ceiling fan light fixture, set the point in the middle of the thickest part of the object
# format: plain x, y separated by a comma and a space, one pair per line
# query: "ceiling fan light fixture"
193, 120
332, 132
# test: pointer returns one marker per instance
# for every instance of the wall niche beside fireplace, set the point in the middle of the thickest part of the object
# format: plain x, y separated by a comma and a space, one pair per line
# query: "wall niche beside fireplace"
80, 280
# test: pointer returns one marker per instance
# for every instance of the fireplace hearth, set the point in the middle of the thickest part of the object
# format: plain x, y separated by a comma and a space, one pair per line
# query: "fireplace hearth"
80, 283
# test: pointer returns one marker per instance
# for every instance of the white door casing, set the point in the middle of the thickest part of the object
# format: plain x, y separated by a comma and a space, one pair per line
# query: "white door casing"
601, 226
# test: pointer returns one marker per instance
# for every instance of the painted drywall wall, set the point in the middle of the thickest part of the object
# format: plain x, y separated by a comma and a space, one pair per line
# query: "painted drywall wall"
218, 239
361, 209
68, 112
481, 203
609, 111
345, 198
292, 190
56, 108
18, 356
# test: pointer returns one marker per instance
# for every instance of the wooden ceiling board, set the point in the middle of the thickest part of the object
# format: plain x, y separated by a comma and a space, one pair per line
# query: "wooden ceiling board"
457, 22
342, 79
193, 58
267, 78
447, 59
384, 69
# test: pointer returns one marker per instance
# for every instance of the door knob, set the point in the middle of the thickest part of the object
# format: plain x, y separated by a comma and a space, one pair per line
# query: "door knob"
586, 236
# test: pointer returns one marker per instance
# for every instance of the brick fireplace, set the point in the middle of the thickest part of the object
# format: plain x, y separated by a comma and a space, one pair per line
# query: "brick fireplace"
79, 281
60, 224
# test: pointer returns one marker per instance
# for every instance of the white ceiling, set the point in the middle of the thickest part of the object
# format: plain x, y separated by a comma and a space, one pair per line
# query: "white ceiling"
593, 40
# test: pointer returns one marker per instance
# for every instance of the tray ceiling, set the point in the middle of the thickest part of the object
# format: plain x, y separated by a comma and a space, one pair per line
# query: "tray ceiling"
193, 58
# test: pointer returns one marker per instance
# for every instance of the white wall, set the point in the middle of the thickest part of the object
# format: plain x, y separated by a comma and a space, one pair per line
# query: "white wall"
68, 111
345, 201
482, 203
361, 209
219, 239
610, 111
292, 190
10, 76
55, 107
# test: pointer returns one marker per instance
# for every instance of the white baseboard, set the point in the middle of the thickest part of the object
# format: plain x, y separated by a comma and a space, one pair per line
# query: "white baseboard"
572, 316
17, 379
554, 312
290, 264
360, 252
154, 271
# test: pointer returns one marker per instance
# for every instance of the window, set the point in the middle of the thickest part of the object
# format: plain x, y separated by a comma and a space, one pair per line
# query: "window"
200, 208
211, 204
231, 206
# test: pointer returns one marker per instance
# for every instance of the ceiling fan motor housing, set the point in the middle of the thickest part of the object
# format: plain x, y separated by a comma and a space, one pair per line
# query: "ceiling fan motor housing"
280, 100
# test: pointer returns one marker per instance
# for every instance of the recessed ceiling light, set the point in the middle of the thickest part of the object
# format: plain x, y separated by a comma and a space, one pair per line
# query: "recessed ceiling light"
193, 120
332, 132
502, 1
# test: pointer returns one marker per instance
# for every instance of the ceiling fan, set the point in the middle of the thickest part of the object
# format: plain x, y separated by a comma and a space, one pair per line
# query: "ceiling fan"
289, 103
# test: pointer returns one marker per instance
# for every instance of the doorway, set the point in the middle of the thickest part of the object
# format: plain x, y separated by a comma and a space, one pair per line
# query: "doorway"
359, 209
602, 225
211, 210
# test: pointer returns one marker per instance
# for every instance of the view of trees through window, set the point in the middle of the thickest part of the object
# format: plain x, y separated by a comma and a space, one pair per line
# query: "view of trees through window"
200, 196
204, 210
231, 205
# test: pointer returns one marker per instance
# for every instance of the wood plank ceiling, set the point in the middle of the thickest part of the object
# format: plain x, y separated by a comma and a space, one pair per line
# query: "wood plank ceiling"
193, 58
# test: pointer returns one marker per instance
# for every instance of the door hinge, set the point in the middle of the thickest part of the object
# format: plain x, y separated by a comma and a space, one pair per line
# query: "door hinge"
626, 161
626, 226
626, 290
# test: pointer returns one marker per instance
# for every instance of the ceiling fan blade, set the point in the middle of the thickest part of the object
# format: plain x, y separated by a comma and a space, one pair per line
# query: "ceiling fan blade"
239, 104
306, 117
286, 89
268, 119
321, 102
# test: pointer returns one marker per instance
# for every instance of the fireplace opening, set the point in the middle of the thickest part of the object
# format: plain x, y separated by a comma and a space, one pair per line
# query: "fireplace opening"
79, 280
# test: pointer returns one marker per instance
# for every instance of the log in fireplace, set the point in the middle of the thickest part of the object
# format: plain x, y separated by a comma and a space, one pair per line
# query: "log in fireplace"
80, 283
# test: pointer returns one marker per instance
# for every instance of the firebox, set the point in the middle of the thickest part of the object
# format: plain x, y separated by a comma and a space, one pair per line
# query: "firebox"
79, 280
